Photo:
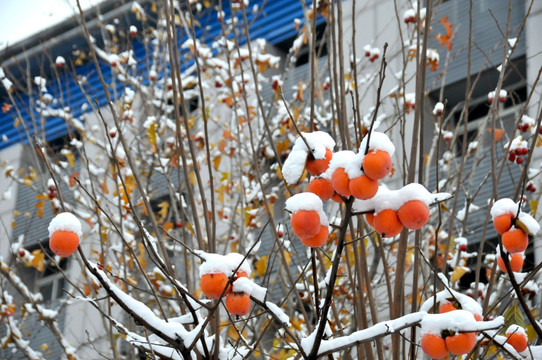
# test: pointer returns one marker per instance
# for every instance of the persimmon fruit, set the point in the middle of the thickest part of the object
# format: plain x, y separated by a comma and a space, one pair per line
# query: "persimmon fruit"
238, 303
516, 262
305, 223
413, 214
363, 187
446, 307
370, 217
377, 164
321, 187
213, 285
341, 182
515, 241
387, 223
317, 240
461, 343
503, 223
63, 242
434, 346
318, 166
517, 340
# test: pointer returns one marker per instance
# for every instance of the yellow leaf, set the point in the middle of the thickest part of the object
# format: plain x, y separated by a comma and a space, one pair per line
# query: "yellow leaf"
38, 260
538, 141
70, 157
533, 204
151, 136
192, 178
531, 333
458, 273
42, 197
216, 162
27, 180
522, 226
287, 257
261, 266
164, 208
16, 213
44, 347
39, 208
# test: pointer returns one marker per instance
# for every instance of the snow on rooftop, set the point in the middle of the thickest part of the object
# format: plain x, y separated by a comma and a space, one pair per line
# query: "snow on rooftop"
65, 221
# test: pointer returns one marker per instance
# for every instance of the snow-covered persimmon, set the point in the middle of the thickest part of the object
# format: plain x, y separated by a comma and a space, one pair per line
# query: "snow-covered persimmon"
341, 182
387, 223
461, 343
213, 285
321, 187
305, 223
515, 241
317, 240
240, 274
517, 338
318, 166
238, 303
363, 187
64, 233
516, 262
413, 214
434, 346
503, 223
377, 164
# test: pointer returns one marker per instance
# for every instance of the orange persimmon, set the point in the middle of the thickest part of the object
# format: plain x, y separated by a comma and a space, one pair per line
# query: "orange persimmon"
63, 242
305, 223
341, 182
318, 166
238, 303
213, 285
515, 241
317, 240
516, 262
434, 346
377, 164
413, 214
321, 187
460, 343
387, 223
363, 187
502, 223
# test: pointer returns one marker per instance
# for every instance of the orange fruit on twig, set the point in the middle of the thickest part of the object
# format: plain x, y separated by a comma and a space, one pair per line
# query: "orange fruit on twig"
341, 182
434, 346
321, 187
317, 240
446, 307
318, 166
370, 217
63, 242
516, 262
515, 241
363, 187
238, 303
517, 340
503, 223
213, 285
413, 214
305, 223
461, 343
377, 164
387, 223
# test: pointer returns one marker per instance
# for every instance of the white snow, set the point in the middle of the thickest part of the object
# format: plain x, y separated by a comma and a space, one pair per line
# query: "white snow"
348, 160
394, 199
503, 206
227, 264
438, 109
467, 303
532, 225
457, 320
307, 201
318, 141
378, 141
65, 221
516, 329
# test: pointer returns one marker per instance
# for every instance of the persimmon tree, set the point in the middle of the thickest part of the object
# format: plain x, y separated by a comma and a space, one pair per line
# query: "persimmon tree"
163, 205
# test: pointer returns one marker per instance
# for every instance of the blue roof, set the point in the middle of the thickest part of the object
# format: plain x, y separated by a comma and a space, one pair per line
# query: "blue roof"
273, 22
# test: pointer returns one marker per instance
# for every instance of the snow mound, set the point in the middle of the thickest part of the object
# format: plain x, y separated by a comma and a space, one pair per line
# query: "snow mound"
65, 222
378, 141
227, 264
307, 201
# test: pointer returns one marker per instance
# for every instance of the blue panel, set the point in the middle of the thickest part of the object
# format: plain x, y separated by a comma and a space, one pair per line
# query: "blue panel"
273, 22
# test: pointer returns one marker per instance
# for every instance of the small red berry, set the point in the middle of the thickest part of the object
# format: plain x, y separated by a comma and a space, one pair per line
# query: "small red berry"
114, 63
519, 160
179, 224
524, 151
540, 130
22, 253
512, 156
280, 233
525, 127
463, 247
